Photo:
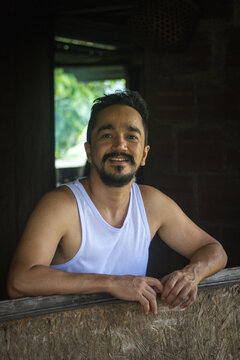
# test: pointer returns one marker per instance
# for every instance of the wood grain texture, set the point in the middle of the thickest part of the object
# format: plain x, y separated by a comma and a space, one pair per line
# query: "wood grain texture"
207, 330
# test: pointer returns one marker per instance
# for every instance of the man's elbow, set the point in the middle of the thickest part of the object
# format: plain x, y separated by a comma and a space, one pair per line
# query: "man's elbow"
225, 258
15, 287
222, 255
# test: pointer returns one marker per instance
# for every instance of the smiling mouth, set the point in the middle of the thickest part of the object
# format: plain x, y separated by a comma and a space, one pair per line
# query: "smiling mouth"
119, 160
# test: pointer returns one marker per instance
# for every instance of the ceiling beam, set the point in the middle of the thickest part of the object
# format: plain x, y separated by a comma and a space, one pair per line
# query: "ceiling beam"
87, 30
94, 7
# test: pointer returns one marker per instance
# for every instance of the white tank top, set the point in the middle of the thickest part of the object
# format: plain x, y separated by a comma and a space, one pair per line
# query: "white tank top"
104, 248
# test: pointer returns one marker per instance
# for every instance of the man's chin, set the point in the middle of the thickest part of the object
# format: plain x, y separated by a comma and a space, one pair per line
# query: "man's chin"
116, 180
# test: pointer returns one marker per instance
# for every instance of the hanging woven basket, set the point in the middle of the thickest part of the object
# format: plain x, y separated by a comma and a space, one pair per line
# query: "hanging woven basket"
164, 22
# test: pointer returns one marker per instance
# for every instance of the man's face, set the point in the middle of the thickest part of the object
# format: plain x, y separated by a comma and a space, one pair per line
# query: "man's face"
117, 145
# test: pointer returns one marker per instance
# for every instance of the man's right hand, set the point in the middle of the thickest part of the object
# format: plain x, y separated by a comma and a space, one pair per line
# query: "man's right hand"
137, 288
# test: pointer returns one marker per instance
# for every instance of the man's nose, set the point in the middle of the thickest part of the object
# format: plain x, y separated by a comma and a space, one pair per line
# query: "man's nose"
120, 142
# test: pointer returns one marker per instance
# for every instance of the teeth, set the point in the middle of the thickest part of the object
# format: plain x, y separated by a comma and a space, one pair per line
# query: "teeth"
117, 159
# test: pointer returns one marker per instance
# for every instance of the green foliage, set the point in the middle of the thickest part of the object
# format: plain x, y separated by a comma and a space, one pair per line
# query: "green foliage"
73, 101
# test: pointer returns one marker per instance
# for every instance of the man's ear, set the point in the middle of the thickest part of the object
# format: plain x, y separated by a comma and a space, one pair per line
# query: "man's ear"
145, 154
88, 151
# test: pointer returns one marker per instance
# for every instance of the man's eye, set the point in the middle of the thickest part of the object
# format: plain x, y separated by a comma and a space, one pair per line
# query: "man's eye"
132, 137
107, 136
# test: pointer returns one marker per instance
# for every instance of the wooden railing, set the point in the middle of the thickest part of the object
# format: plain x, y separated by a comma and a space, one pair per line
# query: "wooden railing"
101, 327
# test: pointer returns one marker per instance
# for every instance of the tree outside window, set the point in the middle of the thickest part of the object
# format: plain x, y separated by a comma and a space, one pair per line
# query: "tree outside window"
73, 101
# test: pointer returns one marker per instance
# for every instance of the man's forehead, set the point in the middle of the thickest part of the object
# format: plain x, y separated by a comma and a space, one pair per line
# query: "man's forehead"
119, 114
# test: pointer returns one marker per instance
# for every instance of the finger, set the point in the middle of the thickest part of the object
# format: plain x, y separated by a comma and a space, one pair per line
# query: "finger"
180, 297
152, 300
155, 282
189, 301
152, 291
175, 292
164, 279
145, 304
168, 286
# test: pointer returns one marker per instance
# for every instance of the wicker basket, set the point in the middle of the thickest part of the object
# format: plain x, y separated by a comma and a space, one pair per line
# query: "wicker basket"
164, 22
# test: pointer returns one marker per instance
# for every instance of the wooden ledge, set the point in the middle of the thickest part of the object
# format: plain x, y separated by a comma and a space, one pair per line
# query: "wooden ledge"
42, 305
222, 278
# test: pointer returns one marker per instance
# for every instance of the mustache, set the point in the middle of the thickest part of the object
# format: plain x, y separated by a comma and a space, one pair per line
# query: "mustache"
128, 156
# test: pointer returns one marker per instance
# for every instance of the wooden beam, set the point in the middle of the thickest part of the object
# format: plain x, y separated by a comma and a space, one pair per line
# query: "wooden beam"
95, 8
99, 32
29, 307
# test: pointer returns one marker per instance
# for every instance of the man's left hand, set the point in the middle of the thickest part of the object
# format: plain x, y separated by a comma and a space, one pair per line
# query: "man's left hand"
179, 288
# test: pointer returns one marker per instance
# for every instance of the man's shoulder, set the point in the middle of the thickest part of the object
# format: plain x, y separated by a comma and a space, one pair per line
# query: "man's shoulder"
153, 198
148, 191
58, 198
60, 192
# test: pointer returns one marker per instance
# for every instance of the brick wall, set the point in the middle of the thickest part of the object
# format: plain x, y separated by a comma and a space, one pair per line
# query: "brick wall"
193, 94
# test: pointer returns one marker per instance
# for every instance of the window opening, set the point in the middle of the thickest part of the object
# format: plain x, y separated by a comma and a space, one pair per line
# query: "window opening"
73, 101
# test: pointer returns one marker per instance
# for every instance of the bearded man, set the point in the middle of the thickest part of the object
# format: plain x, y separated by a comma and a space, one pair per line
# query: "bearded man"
93, 235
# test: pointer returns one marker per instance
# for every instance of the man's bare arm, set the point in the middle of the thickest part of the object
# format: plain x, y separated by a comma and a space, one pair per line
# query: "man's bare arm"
30, 274
42, 280
205, 253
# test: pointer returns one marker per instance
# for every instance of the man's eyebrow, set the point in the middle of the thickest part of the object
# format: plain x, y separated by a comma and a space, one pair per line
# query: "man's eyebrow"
135, 129
112, 127
105, 127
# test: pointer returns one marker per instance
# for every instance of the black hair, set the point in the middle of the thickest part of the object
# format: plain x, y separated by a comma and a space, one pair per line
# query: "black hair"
126, 97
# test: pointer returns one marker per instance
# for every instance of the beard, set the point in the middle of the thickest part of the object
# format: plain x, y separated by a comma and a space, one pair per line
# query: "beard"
117, 179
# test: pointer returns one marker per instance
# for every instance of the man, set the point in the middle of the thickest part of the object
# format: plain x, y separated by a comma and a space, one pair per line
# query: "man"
93, 235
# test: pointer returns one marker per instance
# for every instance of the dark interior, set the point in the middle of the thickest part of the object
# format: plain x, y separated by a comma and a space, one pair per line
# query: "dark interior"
182, 56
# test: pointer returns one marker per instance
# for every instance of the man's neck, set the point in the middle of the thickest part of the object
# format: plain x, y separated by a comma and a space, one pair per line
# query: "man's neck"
111, 202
